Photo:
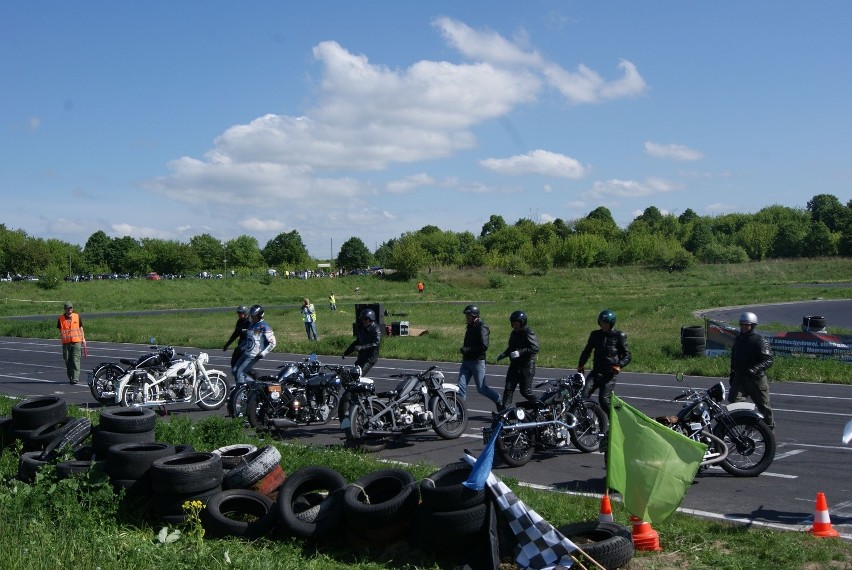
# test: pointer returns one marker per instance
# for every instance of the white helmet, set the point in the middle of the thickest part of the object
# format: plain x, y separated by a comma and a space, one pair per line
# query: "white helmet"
749, 318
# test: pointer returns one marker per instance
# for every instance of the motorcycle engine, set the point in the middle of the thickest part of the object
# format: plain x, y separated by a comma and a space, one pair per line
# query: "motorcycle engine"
410, 413
298, 409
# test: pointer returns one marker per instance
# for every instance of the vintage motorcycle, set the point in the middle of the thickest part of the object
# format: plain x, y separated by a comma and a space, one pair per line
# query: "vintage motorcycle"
420, 402
104, 377
183, 381
308, 398
290, 373
737, 438
560, 415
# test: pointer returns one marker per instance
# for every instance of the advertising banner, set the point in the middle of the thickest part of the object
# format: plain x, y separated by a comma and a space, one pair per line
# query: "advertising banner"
720, 339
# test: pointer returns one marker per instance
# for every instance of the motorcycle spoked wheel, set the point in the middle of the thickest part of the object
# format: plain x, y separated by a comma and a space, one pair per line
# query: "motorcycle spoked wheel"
359, 419
516, 447
592, 424
212, 395
441, 412
237, 400
752, 451
259, 411
104, 382
133, 394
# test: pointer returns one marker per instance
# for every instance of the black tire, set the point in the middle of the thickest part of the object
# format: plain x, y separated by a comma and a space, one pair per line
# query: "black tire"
105, 378
233, 455
443, 490
814, 323
343, 405
238, 512
592, 424
133, 460
134, 489
128, 420
76, 432
610, 544
756, 450
73, 468
255, 467
183, 473
36, 412
443, 525
380, 498
310, 502
237, 400
6, 436
102, 439
42, 435
212, 395
359, 417
693, 343
440, 412
29, 464
169, 507
692, 331
516, 447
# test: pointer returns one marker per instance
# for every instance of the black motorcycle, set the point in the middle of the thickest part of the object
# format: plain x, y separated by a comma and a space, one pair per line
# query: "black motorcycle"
560, 416
297, 400
420, 402
103, 379
737, 438
289, 373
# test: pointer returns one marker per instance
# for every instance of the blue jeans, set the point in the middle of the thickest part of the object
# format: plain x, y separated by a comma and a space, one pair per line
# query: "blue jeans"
475, 369
244, 364
311, 329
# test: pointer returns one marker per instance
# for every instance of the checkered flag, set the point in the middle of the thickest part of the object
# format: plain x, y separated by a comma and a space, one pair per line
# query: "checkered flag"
540, 546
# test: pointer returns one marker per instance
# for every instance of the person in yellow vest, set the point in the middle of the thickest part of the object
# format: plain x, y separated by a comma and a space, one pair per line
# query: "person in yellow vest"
70, 326
309, 315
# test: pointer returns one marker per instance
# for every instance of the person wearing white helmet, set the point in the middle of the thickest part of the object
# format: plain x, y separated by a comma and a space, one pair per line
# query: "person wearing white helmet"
751, 355
259, 341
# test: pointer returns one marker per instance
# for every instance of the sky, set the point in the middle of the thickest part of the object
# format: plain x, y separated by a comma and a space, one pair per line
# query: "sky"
343, 119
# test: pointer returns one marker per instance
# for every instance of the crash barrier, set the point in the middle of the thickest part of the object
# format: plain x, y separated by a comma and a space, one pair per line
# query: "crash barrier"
245, 492
809, 343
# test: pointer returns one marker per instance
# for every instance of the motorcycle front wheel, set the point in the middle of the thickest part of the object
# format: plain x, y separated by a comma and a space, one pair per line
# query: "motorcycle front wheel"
104, 382
360, 415
592, 425
751, 446
441, 413
212, 395
516, 447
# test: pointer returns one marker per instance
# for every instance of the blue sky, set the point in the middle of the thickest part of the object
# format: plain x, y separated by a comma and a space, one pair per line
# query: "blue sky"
371, 119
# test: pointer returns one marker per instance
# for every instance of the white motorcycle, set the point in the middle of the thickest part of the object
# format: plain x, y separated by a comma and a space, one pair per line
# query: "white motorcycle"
183, 381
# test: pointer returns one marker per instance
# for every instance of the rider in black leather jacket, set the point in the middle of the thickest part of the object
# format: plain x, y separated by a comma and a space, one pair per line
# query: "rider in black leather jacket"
523, 346
368, 338
611, 355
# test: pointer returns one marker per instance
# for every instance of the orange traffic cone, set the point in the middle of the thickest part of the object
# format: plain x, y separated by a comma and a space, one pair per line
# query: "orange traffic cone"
606, 510
644, 537
822, 522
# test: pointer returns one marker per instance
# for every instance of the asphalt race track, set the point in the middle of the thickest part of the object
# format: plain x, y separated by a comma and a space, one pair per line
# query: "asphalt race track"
838, 312
810, 419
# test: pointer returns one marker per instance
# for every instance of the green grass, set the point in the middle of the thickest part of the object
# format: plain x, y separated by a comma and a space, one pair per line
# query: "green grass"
562, 306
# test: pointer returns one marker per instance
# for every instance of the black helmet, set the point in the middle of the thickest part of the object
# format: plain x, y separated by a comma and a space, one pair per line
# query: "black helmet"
607, 316
256, 311
519, 316
471, 310
367, 314
242, 309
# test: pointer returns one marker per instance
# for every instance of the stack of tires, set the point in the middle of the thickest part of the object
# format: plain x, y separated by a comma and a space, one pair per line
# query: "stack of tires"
257, 470
123, 425
692, 340
184, 477
128, 466
379, 508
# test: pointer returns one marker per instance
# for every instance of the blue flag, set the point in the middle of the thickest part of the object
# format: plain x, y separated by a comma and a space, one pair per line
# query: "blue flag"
482, 467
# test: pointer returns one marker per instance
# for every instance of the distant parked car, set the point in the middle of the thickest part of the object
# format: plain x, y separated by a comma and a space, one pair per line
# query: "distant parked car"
153, 276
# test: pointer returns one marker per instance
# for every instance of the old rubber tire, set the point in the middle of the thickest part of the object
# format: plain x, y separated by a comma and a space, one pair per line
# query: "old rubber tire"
133, 460
183, 473
169, 507
102, 439
253, 469
310, 502
35, 412
611, 544
233, 455
75, 433
443, 525
380, 498
128, 420
443, 490
238, 512
691, 331
29, 464
73, 468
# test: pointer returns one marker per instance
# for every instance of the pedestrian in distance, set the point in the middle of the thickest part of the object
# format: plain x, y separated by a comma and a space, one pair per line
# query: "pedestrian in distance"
751, 355
420, 287
239, 334
368, 339
611, 354
309, 315
70, 325
259, 341
332, 302
521, 351
474, 347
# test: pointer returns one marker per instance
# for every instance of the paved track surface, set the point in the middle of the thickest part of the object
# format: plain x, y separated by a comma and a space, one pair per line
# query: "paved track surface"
838, 313
810, 459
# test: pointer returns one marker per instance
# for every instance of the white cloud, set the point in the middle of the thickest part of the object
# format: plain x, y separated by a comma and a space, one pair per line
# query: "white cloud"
140, 231
537, 162
409, 184
34, 123
265, 226
672, 151
630, 188
587, 86
714, 209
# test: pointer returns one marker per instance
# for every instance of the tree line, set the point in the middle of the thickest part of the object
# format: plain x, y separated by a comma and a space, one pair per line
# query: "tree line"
823, 228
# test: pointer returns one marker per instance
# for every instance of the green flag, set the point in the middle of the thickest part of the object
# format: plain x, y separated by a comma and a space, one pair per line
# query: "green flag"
651, 465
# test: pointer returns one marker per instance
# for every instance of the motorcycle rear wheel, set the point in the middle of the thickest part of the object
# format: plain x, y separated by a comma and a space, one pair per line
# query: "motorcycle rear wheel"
516, 447
592, 424
133, 394
259, 411
213, 395
359, 418
104, 382
750, 453
449, 429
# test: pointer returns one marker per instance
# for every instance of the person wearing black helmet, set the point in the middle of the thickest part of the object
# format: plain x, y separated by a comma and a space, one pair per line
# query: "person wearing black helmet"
473, 350
243, 323
259, 341
522, 348
611, 355
368, 338
751, 355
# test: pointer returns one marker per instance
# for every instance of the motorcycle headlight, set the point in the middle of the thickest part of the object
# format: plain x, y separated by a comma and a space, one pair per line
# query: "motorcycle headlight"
203, 358
519, 414
698, 411
717, 392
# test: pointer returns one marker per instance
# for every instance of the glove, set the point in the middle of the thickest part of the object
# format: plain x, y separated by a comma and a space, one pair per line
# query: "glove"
501, 356
752, 371
581, 369
464, 349
358, 348
514, 354
615, 369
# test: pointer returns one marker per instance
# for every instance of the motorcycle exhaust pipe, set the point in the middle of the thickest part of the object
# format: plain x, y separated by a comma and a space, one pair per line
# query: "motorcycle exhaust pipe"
722, 445
282, 423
